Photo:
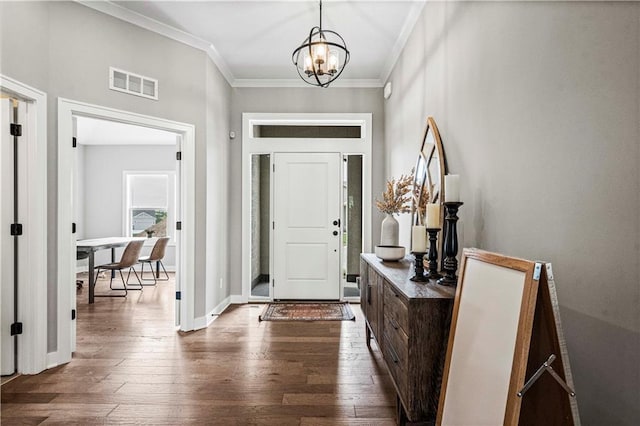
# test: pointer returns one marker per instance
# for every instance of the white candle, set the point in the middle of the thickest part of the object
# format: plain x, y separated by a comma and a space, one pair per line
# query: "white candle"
418, 239
452, 188
433, 215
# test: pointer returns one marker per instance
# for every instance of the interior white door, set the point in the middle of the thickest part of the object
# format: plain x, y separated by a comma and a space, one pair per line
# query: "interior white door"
6, 241
306, 229
7, 249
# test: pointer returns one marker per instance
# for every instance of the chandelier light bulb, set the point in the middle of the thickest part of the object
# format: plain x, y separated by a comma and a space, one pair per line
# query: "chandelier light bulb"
334, 60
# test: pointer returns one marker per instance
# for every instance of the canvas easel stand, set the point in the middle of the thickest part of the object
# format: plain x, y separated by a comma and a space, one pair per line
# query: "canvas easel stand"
507, 361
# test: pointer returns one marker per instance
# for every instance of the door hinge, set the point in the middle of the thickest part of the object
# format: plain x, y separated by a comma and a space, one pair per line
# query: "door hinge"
178, 295
73, 228
16, 328
274, 167
536, 271
15, 129
273, 225
16, 229
273, 282
74, 142
178, 226
179, 155
73, 314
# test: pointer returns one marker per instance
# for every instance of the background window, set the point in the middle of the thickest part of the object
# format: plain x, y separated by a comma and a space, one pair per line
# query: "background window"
149, 203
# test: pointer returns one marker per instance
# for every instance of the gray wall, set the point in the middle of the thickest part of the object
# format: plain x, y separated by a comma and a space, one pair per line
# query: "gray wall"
103, 197
538, 107
217, 190
65, 49
298, 100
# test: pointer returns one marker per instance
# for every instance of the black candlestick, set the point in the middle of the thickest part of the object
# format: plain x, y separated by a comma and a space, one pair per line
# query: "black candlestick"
419, 268
433, 253
450, 264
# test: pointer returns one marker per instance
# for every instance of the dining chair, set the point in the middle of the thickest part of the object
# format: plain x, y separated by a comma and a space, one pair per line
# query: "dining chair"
129, 258
157, 254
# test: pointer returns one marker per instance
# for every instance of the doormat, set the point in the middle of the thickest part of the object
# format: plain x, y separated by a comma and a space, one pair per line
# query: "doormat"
307, 311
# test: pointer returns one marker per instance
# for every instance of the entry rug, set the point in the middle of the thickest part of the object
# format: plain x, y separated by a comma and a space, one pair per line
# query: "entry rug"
308, 311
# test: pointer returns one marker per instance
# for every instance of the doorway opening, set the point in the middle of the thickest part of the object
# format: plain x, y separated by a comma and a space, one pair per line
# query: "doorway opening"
125, 186
68, 113
306, 188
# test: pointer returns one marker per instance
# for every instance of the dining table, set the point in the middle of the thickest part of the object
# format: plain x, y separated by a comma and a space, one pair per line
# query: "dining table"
91, 246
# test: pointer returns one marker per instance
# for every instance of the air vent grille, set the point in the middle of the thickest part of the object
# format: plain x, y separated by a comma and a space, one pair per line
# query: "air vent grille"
133, 84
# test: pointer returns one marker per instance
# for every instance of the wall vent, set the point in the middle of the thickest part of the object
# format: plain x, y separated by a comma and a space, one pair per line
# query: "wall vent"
133, 84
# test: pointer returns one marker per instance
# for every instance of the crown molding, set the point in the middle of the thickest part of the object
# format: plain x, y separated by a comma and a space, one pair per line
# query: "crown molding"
299, 83
134, 18
403, 37
124, 14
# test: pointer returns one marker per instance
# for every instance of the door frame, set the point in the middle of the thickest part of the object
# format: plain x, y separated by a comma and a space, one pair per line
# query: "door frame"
185, 263
251, 144
32, 297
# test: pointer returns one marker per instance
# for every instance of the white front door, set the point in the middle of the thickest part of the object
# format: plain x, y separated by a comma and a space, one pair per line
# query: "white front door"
306, 229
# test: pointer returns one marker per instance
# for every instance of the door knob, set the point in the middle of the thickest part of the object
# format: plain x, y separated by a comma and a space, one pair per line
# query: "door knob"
336, 222
335, 232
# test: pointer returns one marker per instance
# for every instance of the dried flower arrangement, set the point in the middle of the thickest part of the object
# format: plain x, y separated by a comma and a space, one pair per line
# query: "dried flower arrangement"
395, 199
421, 197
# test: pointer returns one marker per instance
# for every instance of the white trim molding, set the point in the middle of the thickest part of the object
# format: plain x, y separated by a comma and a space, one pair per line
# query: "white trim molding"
205, 321
297, 82
158, 27
67, 109
32, 293
401, 41
345, 146
142, 21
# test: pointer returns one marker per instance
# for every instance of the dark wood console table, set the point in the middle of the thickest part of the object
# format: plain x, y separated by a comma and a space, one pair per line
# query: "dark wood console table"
410, 323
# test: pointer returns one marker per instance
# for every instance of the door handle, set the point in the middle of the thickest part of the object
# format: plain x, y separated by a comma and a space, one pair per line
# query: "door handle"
336, 222
335, 233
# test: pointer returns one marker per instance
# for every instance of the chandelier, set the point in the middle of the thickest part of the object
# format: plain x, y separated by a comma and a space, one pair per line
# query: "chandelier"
321, 57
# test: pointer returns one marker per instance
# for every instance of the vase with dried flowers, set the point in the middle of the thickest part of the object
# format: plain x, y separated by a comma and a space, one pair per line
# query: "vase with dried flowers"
395, 200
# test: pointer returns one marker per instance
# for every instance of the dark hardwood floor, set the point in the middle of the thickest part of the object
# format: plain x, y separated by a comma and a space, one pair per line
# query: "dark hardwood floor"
132, 367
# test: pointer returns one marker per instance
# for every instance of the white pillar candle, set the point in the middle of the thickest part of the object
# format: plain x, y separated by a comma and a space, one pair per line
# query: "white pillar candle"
433, 215
418, 239
452, 188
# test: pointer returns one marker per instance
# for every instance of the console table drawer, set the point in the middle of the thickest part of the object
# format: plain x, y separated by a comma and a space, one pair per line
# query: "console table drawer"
399, 342
397, 367
395, 307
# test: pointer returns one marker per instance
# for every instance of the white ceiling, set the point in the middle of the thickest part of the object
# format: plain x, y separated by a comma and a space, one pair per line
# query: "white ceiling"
92, 131
252, 41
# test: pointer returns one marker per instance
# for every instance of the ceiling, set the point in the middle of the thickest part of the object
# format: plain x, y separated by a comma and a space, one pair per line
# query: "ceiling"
251, 42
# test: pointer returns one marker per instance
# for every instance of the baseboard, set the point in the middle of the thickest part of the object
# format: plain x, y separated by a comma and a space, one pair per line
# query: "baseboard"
236, 299
221, 306
205, 321
53, 360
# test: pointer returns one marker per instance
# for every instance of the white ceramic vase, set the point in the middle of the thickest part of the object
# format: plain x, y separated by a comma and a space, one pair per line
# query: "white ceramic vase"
389, 234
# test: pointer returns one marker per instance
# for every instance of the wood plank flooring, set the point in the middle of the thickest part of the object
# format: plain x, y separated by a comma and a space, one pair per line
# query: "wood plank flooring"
132, 367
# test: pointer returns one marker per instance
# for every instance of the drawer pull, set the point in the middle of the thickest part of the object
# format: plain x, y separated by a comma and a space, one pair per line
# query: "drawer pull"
369, 293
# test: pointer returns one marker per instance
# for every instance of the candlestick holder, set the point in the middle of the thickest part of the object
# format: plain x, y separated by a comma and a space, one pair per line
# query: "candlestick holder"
419, 268
433, 253
450, 264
